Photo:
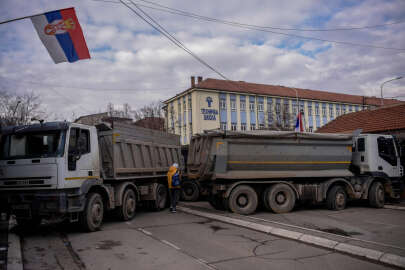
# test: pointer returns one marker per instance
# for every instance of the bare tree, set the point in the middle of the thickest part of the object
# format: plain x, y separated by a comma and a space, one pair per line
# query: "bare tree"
154, 109
20, 109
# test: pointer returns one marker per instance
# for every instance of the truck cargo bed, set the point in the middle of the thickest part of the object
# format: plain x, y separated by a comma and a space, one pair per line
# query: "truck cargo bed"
268, 154
132, 152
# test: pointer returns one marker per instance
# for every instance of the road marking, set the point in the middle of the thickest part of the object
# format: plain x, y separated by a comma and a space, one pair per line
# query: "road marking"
170, 244
205, 263
145, 231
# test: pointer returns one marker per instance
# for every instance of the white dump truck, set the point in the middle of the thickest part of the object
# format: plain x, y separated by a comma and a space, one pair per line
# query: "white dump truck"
277, 169
62, 170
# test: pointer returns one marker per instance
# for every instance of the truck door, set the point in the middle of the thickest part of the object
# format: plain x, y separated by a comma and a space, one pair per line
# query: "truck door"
79, 162
388, 161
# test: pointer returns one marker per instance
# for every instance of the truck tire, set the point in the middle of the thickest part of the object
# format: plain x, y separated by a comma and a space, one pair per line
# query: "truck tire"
376, 195
336, 198
190, 191
243, 200
279, 198
161, 198
126, 211
92, 216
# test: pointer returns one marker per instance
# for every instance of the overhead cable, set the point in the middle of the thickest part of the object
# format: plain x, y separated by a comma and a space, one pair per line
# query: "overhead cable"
268, 28
165, 33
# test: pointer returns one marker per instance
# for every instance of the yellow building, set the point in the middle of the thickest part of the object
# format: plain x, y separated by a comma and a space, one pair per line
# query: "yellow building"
237, 105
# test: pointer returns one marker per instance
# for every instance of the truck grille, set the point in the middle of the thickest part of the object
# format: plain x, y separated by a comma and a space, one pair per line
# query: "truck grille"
24, 182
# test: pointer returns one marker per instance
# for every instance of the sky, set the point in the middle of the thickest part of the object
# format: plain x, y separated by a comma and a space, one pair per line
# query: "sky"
132, 63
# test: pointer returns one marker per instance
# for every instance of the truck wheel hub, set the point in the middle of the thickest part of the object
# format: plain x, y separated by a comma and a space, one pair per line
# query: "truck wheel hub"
340, 199
96, 213
280, 198
242, 200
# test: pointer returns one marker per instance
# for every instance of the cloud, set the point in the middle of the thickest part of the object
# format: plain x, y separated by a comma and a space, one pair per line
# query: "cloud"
132, 63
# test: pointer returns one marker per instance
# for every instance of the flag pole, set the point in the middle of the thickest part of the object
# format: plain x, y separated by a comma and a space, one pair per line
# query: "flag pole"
26, 17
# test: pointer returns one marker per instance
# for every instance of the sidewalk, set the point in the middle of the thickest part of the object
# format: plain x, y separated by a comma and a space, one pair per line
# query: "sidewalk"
348, 245
10, 248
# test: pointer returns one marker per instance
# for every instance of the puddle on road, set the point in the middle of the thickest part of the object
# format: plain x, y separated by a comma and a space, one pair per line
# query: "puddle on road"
339, 231
216, 228
108, 244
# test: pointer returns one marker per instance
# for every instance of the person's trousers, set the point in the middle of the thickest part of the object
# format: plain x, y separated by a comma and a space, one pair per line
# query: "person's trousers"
174, 197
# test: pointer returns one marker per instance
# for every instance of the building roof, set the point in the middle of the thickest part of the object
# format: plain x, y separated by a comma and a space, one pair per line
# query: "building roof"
283, 91
386, 118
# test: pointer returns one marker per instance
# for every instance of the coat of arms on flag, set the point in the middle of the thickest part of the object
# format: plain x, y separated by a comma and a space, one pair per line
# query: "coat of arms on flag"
61, 34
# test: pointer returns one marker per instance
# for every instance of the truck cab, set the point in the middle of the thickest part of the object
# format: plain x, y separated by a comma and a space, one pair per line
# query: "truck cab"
377, 155
47, 164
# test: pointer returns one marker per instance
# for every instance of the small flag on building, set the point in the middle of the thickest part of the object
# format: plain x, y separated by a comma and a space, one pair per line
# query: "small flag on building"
61, 34
298, 124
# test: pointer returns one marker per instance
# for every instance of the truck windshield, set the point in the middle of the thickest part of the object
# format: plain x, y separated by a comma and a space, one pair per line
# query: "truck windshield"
33, 145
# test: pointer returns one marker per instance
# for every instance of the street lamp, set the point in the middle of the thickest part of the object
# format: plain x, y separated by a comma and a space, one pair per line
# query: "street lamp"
397, 78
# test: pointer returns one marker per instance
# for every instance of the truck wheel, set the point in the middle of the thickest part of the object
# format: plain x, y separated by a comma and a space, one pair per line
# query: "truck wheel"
279, 198
376, 195
127, 210
161, 198
336, 198
243, 200
92, 216
190, 191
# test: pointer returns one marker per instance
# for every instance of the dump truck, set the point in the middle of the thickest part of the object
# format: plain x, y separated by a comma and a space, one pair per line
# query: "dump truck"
75, 172
278, 169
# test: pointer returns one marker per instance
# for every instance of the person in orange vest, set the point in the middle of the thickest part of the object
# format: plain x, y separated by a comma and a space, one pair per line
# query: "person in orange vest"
173, 179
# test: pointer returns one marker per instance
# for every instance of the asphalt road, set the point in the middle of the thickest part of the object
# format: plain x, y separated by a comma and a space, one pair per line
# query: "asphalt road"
162, 240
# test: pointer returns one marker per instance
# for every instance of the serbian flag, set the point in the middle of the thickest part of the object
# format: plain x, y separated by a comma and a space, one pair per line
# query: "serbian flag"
298, 124
61, 34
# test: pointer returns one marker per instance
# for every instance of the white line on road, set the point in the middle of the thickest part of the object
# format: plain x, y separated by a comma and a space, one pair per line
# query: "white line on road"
206, 264
170, 244
145, 231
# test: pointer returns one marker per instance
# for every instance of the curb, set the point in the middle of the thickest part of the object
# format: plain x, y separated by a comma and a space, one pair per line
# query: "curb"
371, 254
394, 207
14, 258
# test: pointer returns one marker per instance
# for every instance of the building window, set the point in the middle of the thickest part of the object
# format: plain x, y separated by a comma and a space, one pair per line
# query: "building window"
344, 109
350, 109
233, 126
252, 126
331, 110
278, 108
309, 109
242, 105
189, 102
294, 108
252, 106
323, 110
222, 104
261, 126
316, 110
184, 130
233, 105
260, 107
270, 118
310, 129
243, 126
223, 125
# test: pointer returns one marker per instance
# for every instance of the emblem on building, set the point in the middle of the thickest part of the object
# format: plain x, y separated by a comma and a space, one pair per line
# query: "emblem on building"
209, 101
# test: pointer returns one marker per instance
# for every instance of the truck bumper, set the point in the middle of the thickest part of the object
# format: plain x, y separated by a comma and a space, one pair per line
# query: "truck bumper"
26, 204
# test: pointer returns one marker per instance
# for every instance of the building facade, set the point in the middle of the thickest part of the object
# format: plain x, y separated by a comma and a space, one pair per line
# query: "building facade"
235, 105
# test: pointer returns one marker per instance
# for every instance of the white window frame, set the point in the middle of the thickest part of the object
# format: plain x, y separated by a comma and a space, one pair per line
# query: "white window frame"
260, 107
233, 105
251, 106
233, 126
243, 105
252, 126
243, 126
223, 125
222, 104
